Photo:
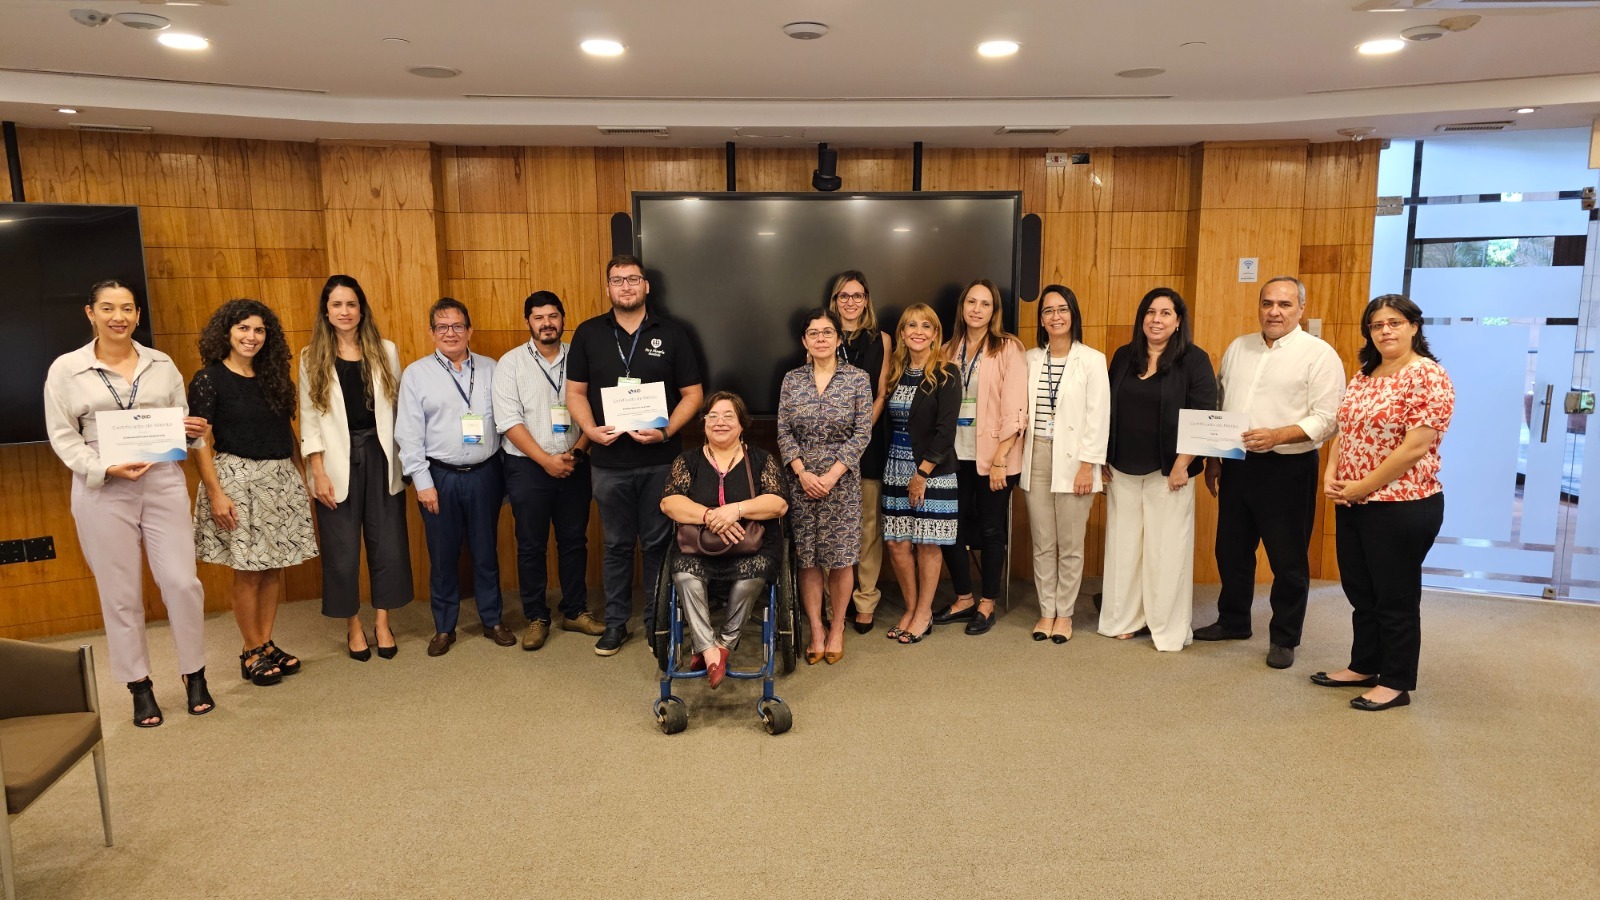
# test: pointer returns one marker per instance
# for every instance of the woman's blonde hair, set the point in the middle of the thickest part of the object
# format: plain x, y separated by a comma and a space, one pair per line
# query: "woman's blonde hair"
324, 349
869, 320
934, 371
997, 337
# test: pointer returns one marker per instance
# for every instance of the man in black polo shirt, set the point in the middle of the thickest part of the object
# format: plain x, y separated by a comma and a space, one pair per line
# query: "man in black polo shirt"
629, 468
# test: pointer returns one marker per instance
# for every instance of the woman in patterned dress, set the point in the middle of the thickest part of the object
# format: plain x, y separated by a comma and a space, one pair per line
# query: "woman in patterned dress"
824, 424
919, 479
1383, 477
254, 513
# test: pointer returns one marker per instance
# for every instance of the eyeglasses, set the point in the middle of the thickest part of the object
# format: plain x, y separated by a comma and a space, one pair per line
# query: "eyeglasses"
620, 280
722, 417
1388, 325
1051, 312
815, 333
452, 328
852, 296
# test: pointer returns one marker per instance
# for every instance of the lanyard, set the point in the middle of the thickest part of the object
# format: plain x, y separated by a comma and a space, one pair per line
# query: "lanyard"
1055, 386
133, 394
966, 373
561, 371
627, 361
472, 378
722, 477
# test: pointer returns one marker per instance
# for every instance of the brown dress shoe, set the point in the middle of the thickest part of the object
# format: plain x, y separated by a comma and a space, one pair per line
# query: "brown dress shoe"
585, 623
501, 635
538, 633
440, 644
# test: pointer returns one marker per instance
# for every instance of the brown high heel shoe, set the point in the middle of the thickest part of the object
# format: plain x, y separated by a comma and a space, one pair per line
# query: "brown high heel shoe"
831, 657
814, 658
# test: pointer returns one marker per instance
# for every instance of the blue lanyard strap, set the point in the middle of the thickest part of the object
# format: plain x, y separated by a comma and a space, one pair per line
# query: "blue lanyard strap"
133, 394
627, 361
561, 370
472, 378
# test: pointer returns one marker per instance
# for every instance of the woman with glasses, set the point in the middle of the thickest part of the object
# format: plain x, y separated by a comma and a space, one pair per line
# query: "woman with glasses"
349, 385
989, 427
866, 347
824, 424
1383, 478
1069, 398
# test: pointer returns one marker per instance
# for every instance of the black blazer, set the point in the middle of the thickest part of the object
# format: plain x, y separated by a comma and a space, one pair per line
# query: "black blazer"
1189, 384
932, 425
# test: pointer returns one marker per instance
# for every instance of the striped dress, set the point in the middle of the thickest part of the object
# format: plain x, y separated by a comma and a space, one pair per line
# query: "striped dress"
934, 522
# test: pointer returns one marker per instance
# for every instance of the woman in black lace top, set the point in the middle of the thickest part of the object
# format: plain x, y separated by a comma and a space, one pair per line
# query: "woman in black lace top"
711, 486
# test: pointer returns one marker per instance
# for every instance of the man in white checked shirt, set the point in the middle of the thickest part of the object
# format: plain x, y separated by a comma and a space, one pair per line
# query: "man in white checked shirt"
547, 471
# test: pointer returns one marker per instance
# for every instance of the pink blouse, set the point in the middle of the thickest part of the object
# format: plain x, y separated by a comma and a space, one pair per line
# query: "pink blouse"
1376, 414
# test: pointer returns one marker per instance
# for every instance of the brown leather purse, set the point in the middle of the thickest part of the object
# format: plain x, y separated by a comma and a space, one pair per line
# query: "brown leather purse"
698, 540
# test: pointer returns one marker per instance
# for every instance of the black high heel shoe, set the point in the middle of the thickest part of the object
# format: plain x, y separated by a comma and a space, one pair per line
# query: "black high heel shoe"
389, 651
263, 671
195, 684
144, 704
907, 637
361, 655
286, 662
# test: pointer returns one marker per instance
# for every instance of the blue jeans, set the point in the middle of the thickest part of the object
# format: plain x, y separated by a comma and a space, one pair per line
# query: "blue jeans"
629, 501
469, 513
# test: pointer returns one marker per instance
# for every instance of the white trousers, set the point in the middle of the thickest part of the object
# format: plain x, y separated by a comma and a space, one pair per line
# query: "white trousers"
1056, 523
1149, 578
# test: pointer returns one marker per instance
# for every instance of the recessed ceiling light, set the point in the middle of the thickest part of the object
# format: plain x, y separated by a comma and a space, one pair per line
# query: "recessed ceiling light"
998, 48
601, 47
1380, 47
901, 229
1142, 72
183, 41
66, 111
143, 21
766, 233
805, 31
433, 71
1524, 110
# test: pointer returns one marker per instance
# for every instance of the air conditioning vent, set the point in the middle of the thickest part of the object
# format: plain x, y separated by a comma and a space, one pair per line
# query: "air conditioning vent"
651, 130
1031, 129
1457, 127
114, 129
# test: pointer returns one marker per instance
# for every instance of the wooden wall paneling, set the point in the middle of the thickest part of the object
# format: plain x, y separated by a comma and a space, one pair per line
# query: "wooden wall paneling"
103, 180
296, 301
193, 227
1076, 188
495, 303
673, 169
182, 305
289, 228
611, 181
491, 179
28, 611
567, 252
1151, 179
204, 262
369, 175
1219, 299
1075, 251
869, 169
486, 264
173, 170
291, 262
1254, 175
962, 169
561, 180
778, 169
284, 175
485, 231
52, 166
38, 503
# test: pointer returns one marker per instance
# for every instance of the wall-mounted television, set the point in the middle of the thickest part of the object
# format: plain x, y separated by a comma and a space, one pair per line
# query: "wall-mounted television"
739, 269
50, 254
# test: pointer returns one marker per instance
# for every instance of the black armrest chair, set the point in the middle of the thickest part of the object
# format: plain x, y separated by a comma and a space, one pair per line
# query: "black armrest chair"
49, 721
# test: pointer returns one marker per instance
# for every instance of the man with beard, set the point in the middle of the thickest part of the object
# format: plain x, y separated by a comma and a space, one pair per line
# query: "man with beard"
629, 347
547, 471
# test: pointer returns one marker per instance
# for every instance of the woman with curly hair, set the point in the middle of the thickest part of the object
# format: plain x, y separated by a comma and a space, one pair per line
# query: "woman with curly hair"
253, 515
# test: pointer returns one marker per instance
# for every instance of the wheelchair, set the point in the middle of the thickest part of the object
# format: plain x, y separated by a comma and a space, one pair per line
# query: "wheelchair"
780, 637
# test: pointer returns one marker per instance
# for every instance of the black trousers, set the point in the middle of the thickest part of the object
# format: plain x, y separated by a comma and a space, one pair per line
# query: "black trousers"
1268, 499
539, 501
370, 515
469, 516
980, 525
1381, 549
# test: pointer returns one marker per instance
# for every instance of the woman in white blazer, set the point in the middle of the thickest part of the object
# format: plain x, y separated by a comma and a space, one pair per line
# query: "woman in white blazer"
1069, 398
349, 383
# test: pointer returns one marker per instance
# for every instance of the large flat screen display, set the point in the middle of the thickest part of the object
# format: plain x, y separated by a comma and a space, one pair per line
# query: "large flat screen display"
50, 254
739, 269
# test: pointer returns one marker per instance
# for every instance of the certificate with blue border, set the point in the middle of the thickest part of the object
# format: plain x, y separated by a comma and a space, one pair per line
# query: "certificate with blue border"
140, 435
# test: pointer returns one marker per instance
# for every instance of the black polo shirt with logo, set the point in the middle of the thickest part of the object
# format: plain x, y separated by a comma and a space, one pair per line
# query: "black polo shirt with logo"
599, 350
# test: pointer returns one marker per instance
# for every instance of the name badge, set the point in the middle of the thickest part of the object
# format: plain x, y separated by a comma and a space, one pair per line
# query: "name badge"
560, 419
967, 414
471, 429
629, 381
1046, 430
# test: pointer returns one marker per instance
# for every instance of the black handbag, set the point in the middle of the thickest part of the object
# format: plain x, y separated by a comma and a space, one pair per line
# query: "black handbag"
698, 540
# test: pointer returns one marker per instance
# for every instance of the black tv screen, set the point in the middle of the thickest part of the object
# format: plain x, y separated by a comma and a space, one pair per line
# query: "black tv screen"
50, 254
740, 269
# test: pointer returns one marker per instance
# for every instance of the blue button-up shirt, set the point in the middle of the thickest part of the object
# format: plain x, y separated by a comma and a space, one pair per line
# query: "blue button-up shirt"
428, 421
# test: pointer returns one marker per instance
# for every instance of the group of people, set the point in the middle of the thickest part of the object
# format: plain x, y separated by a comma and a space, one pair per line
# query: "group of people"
907, 441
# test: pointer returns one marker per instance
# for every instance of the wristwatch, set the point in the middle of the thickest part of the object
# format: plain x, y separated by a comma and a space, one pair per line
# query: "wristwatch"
579, 454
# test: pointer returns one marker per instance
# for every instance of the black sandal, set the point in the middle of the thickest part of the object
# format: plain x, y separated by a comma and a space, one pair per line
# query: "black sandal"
144, 704
195, 684
263, 671
287, 663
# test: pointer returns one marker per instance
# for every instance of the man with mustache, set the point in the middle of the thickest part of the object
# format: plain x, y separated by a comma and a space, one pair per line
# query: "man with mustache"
547, 471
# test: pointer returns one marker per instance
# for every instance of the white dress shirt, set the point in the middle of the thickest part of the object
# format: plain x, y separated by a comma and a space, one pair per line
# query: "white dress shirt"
1299, 380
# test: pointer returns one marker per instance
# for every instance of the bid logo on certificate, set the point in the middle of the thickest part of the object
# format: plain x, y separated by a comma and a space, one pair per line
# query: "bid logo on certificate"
140, 435
635, 407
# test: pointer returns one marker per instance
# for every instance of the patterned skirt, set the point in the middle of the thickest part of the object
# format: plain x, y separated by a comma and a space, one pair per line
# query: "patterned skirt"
827, 532
274, 514
934, 522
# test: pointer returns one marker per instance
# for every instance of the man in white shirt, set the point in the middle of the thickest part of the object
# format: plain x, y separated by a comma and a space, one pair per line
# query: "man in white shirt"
1290, 383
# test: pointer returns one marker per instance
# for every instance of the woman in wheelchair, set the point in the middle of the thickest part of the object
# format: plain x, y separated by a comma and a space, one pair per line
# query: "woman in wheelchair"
719, 491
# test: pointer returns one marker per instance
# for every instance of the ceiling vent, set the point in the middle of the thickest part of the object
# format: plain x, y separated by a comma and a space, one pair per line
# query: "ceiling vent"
1032, 129
1391, 5
651, 130
114, 129
1458, 127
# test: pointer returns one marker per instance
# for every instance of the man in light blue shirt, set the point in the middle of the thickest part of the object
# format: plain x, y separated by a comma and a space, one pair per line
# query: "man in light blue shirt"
450, 450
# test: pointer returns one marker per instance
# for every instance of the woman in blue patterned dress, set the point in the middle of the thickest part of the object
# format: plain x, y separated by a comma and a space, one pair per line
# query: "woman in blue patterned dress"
919, 480
824, 424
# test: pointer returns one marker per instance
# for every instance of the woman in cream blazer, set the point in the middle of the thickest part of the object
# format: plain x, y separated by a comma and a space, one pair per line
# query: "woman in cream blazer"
349, 384
1069, 399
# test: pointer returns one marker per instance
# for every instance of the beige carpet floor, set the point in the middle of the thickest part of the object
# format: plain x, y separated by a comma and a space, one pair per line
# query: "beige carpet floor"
961, 767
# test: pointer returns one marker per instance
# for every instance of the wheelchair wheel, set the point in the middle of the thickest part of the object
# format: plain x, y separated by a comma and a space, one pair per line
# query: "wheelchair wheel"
673, 717
775, 716
658, 633
788, 625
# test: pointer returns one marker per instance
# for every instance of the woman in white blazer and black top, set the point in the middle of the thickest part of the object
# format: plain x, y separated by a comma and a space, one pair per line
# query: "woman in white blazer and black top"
1069, 398
349, 383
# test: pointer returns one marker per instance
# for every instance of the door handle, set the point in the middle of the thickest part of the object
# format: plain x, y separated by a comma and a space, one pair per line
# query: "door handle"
1549, 394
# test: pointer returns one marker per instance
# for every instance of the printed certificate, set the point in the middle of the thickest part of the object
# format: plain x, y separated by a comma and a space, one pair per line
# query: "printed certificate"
632, 407
1210, 432
140, 435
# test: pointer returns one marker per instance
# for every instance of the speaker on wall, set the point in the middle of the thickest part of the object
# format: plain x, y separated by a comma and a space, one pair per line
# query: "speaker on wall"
622, 235
1029, 236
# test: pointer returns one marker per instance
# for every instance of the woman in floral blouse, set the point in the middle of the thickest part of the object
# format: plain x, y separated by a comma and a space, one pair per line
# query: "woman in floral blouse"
1382, 476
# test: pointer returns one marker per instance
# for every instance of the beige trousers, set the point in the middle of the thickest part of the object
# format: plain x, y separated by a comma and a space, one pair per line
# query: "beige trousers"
871, 561
1057, 523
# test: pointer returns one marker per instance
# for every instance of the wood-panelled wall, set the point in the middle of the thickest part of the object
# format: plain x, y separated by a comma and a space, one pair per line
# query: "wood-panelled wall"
487, 225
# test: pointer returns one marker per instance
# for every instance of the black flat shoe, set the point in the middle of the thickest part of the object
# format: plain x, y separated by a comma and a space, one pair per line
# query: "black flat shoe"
195, 684
1059, 639
862, 627
1041, 635
980, 624
1365, 705
144, 704
946, 617
1323, 679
